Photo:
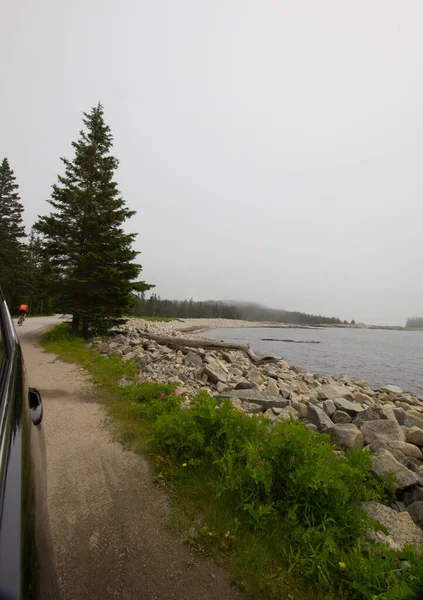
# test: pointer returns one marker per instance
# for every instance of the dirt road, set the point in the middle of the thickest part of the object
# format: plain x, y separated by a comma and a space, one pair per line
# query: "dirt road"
108, 519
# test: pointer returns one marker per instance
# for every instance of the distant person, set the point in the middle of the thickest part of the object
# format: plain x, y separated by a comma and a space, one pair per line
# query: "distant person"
23, 309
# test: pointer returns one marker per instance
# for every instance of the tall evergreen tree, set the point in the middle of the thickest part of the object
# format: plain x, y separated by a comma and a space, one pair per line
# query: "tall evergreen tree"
83, 236
13, 258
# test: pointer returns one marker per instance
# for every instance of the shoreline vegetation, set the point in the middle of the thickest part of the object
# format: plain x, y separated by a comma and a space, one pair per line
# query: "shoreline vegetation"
304, 486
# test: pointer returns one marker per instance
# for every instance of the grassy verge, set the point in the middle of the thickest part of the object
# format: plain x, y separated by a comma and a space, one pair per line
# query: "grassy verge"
271, 502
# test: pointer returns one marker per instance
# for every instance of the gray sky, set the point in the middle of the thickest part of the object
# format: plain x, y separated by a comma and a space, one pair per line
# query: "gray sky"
273, 149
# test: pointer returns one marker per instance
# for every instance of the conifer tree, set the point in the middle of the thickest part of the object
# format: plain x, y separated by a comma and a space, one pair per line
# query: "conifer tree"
83, 236
13, 259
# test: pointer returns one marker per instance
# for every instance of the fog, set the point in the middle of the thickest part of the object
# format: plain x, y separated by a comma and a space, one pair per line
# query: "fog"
273, 150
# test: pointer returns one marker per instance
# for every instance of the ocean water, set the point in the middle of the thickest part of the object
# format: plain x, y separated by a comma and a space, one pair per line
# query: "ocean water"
381, 357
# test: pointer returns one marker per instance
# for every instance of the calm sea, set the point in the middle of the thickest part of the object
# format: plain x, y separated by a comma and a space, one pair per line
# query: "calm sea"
381, 357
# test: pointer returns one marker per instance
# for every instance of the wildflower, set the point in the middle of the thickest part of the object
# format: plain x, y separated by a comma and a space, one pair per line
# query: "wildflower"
143, 381
162, 395
342, 565
184, 464
318, 566
176, 393
375, 597
261, 463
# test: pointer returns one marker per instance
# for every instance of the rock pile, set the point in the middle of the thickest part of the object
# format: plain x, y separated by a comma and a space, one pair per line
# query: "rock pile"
388, 421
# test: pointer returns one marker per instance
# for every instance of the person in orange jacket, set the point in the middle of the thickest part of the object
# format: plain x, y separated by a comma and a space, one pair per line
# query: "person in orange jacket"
23, 309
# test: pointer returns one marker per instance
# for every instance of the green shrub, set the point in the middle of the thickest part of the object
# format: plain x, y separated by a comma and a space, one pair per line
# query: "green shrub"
288, 475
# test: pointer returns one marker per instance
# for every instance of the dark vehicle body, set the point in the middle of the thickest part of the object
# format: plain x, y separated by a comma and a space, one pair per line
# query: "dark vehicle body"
27, 569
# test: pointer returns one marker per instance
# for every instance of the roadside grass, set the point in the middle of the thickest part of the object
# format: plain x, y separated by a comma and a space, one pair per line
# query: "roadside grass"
273, 503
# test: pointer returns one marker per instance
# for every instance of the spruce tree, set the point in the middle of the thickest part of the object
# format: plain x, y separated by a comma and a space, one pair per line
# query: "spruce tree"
83, 236
13, 259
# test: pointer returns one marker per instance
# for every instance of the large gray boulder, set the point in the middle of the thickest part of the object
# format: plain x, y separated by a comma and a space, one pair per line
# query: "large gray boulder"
415, 436
402, 531
329, 408
318, 417
412, 421
415, 510
331, 391
214, 371
392, 389
192, 359
384, 464
407, 419
346, 435
382, 430
341, 416
406, 449
352, 408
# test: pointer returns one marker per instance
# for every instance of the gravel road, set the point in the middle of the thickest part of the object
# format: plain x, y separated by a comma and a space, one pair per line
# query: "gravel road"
108, 519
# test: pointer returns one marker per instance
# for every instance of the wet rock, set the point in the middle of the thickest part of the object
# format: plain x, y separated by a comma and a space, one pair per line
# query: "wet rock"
384, 464
341, 417
382, 430
402, 531
346, 435
318, 417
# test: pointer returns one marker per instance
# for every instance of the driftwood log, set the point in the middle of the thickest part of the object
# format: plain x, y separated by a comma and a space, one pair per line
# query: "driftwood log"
173, 342
291, 341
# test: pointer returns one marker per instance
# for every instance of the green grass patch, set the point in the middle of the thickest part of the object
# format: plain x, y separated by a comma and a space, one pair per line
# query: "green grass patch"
159, 319
270, 501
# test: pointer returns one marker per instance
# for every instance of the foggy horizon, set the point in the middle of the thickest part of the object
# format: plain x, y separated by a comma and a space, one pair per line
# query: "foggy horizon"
272, 151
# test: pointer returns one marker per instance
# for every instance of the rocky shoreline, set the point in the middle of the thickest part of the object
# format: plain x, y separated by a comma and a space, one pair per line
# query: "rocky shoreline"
387, 421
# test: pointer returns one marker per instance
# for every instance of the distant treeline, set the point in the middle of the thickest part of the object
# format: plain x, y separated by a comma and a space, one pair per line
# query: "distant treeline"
184, 309
251, 311
416, 322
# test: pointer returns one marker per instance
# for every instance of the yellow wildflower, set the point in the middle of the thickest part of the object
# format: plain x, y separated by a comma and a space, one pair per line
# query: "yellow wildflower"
342, 565
184, 464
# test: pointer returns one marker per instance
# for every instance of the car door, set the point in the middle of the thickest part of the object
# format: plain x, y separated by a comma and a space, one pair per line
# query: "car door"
27, 569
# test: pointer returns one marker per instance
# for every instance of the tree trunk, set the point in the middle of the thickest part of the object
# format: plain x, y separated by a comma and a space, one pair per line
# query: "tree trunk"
75, 324
186, 343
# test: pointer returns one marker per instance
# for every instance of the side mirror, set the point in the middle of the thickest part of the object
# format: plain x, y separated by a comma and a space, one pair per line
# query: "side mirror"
35, 406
